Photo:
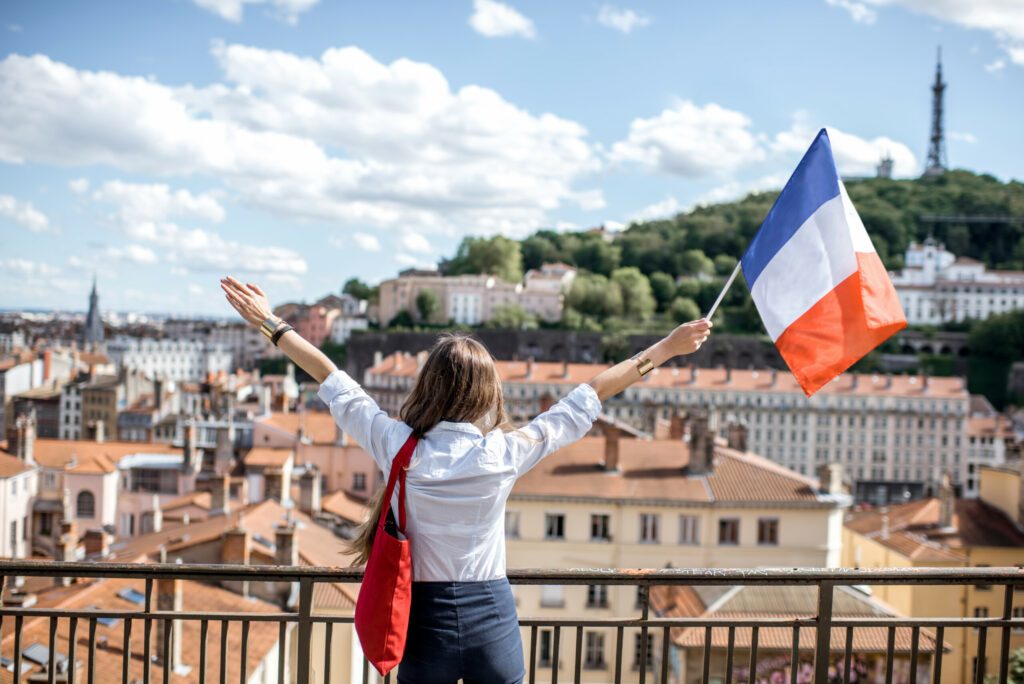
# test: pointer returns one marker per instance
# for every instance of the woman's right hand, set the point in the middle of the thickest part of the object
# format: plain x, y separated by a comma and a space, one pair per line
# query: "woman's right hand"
688, 337
248, 300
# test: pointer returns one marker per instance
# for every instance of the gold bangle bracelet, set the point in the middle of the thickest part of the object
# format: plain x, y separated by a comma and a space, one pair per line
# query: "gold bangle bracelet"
644, 366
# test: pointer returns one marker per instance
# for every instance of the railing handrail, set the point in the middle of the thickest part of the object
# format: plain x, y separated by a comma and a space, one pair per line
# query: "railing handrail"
639, 576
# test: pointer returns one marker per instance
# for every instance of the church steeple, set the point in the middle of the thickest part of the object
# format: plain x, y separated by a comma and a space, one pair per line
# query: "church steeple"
92, 330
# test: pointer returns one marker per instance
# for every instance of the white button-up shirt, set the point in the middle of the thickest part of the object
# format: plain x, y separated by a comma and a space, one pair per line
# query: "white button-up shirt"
459, 478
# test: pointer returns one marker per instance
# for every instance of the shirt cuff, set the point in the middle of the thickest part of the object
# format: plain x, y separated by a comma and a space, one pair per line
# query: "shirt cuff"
334, 385
585, 398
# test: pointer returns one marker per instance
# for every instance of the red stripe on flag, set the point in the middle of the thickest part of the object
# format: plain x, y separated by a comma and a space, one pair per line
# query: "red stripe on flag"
844, 325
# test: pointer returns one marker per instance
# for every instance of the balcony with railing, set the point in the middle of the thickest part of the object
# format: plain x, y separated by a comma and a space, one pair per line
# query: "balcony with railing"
86, 623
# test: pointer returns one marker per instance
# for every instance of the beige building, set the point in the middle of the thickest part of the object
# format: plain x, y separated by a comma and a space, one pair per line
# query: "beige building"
880, 428
947, 532
475, 299
616, 502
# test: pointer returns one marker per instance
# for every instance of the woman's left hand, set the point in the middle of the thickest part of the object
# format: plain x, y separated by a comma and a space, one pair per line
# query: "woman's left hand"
248, 300
688, 337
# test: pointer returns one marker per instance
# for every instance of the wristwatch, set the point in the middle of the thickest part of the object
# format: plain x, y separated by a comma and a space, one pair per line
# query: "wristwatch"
268, 326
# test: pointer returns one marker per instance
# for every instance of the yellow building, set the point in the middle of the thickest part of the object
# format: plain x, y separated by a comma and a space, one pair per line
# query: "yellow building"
947, 532
612, 502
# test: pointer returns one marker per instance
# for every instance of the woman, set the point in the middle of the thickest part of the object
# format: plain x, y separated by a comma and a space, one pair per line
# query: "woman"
463, 622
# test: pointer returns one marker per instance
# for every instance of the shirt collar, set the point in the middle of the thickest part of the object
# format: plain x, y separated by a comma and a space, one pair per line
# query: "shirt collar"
449, 426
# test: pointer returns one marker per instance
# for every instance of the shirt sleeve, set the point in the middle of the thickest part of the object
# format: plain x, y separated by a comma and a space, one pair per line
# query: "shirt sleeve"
559, 426
357, 414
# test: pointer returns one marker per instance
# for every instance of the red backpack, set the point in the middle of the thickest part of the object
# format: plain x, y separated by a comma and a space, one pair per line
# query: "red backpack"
382, 609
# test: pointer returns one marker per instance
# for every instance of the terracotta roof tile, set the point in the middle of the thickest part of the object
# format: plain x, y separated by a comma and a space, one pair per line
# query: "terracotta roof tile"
266, 456
91, 456
344, 505
654, 470
11, 466
848, 384
318, 425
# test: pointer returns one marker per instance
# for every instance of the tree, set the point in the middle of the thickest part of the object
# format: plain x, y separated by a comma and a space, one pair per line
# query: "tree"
684, 310
694, 262
497, 256
358, 289
592, 295
403, 319
427, 305
637, 299
539, 250
511, 317
725, 264
664, 288
596, 255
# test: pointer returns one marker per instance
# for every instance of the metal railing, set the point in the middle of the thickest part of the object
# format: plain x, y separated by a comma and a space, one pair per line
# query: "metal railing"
80, 625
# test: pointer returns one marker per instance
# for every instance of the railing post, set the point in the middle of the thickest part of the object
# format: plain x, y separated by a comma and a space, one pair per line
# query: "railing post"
823, 647
305, 630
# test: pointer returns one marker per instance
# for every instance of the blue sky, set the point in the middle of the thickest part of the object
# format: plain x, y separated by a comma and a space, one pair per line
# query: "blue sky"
298, 143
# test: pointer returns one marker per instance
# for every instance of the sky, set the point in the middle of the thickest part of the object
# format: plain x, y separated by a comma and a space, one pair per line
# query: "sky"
159, 145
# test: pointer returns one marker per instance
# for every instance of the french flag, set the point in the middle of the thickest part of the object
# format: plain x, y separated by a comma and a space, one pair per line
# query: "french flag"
816, 279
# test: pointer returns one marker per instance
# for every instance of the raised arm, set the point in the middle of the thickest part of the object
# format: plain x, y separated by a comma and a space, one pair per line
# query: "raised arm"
685, 339
251, 303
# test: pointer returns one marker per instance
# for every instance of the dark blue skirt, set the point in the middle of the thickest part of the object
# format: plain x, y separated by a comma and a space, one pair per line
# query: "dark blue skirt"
462, 630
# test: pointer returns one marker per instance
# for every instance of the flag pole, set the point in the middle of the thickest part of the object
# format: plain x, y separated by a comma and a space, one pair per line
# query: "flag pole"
721, 295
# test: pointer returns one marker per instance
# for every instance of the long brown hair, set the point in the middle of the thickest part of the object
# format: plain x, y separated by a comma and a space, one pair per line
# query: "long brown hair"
459, 382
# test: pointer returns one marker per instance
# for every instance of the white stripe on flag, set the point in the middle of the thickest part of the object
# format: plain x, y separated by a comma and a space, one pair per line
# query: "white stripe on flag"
811, 264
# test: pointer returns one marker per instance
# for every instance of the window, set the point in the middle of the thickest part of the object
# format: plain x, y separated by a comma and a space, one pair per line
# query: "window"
600, 528
594, 658
554, 526
359, 482
46, 524
1018, 614
729, 531
768, 531
597, 596
689, 530
650, 651
649, 528
85, 504
544, 651
552, 596
511, 524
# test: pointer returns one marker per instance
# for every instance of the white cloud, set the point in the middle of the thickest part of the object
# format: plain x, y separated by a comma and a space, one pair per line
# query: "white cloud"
144, 212
854, 155
367, 242
27, 268
666, 208
624, 20
24, 214
136, 254
734, 190
963, 137
614, 226
414, 261
233, 10
79, 186
195, 290
1002, 18
859, 12
336, 241
496, 19
691, 141
415, 242
995, 66
420, 155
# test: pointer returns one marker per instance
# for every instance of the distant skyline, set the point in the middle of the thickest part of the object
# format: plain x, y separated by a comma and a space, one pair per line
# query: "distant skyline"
298, 143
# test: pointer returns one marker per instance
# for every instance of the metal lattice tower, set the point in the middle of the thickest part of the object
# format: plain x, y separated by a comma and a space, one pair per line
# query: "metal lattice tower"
937, 143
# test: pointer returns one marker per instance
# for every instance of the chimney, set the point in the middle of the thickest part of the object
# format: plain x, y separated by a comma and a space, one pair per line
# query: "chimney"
885, 522
266, 400
67, 546
191, 447
309, 491
775, 377
100, 431
677, 426
236, 544
565, 368
611, 447
854, 381
220, 494
728, 375
26, 438
947, 501
378, 357
702, 445
224, 456
694, 372
736, 434
888, 381
286, 545
529, 368
96, 542
169, 598
925, 382
830, 478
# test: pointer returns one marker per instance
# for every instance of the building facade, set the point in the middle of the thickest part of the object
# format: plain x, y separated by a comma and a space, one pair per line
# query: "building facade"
936, 287
178, 359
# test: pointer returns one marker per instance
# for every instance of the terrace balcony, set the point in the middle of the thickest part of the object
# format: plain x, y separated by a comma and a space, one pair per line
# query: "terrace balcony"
108, 622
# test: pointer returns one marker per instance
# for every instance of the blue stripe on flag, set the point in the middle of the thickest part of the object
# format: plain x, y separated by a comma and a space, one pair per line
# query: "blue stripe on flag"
814, 182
